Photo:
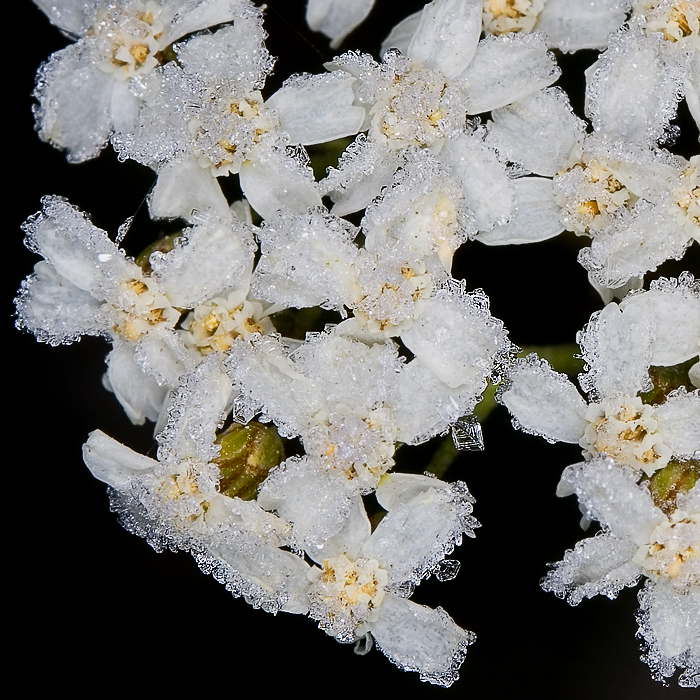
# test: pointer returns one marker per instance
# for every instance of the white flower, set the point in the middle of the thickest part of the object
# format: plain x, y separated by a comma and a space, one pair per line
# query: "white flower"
568, 24
364, 576
422, 98
88, 286
174, 501
636, 203
638, 538
83, 90
619, 345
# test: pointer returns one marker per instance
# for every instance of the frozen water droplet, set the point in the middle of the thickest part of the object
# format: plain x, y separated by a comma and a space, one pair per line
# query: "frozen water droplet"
447, 569
466, 433
104, 257
124, 229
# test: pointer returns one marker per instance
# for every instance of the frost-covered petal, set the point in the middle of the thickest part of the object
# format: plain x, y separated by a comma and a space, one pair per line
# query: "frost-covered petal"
600, 565
457, 338
318, 108
674, 310
78, 251
631, 91
113, 463
416, 638
447, 36
571, 25
55, 310
402, 33
196, 412
364, 168
336, 18
315, 499
426, 520
271, 577
182, 188
539, 132
669, 623
488, 191
274, 181
214, 255
138, 393
74, 98
617, 347
543, 402
505, 69
679, 422
536, 217
610, 494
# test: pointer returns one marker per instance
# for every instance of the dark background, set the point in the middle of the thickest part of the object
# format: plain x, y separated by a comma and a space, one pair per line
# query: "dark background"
95, 601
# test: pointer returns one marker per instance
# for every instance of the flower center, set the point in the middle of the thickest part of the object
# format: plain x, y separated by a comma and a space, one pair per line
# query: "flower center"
141, 307
349, 594
130, 41
505, 16
589, 194
675, 21
670, 546
225, 130
214, 325
414, 111
625, 429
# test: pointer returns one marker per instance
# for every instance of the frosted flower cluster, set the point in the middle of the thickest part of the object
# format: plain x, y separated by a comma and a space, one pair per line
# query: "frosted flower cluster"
285, 344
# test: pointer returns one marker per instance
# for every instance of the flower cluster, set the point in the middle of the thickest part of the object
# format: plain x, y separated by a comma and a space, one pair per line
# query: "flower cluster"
287, 340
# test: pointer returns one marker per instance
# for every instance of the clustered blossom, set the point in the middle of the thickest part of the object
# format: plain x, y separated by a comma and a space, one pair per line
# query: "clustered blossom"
458, 136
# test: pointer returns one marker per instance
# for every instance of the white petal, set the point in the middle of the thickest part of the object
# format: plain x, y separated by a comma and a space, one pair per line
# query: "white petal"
617, 348
182, 188
55, 310
571, 25
400, 36
600, 565
114, 463
274, 181
505, 69
610, 494
536, 218
543, 402
675, 314
679, 423
139, 394
74, 102
318, 108
336, 18
539, 132
417, 638
488, 191
447, 35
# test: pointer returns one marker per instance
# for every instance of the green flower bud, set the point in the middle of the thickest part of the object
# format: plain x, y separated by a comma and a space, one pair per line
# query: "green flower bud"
247, 454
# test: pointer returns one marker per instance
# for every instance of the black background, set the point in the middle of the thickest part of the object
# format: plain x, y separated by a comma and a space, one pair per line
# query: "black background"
98, 608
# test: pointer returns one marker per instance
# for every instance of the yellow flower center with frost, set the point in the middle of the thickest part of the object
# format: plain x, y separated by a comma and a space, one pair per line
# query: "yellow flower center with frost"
141, 307
353, 590
626, 430
673, 551
676, 21
413, 111
505, 16
594, 193
179, 494
130, 42
227, 128
214, 325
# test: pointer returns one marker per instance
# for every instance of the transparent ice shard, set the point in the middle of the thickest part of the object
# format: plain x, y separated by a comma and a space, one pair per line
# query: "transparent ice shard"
467, 435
